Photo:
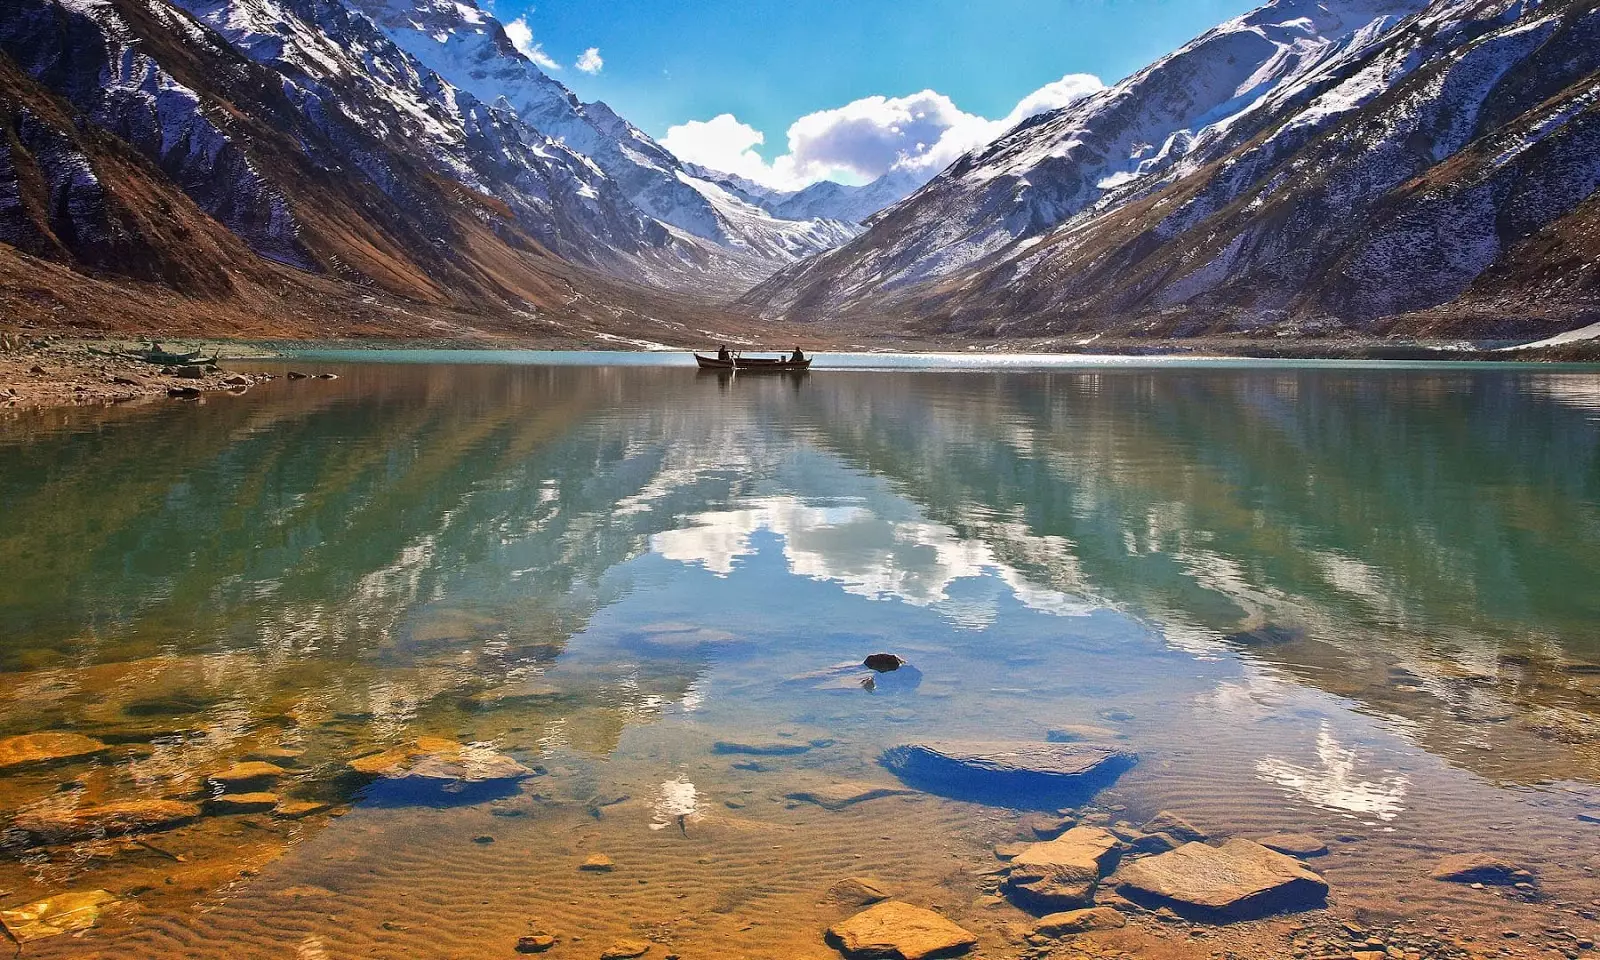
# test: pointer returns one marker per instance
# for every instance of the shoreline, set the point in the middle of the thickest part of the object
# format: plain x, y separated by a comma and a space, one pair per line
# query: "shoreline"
59, 369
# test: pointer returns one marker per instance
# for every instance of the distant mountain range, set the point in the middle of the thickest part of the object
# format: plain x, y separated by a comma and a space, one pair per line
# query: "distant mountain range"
1308, 168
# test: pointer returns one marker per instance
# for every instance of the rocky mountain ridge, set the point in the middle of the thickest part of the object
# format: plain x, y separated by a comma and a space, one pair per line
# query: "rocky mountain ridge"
1307, 168
206, 147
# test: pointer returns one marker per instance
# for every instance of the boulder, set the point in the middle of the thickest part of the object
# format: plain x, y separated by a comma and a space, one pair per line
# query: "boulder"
39, 749
1300, 845
1057, 925
107, 819
857, 891
1009, 773
1481, 868
837, 796
883, 662
898, 930
1061, 874
1239, 880
53, 916
191, 372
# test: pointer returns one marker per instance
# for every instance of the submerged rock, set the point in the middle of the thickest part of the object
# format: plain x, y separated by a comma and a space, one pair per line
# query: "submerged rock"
598, 863
1295, 844
535, 943
53, 916
108, 819
46, 748
249, 773
762, 748
1057, 925
883, 662
898, 930
856, 676
837, 796
1075, 732
1239, 880
1061, 874
242, 803
1010, 773
442, 762
299, 809
1044, 826
857, 891
1168, 823
1481, 868
625, 950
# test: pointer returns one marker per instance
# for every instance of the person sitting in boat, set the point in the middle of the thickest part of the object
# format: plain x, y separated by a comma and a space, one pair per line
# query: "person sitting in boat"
723, 354
798, 356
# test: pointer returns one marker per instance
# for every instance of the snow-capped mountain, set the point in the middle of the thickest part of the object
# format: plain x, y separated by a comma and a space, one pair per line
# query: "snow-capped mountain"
857, 204
470, 49
823, 200
1332, 162
204, 145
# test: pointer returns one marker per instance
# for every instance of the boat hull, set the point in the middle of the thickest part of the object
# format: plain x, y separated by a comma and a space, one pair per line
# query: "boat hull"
752, 365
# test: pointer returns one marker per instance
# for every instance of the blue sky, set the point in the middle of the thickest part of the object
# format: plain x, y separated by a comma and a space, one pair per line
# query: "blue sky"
767, 63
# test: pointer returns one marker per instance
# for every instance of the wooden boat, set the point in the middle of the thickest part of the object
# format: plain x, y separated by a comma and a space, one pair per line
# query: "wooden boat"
753, 364
160, 357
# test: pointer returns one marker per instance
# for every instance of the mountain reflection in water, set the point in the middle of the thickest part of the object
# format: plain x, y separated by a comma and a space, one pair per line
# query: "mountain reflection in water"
1336, 587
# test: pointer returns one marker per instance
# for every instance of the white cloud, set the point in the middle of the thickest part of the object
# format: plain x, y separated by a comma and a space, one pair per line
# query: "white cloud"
921, 134
591, 62
1069, 89
723, 143
522, 38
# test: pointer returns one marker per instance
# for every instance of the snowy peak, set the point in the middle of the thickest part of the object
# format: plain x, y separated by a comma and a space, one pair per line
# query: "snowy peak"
823, 200
1305, 167
471, 49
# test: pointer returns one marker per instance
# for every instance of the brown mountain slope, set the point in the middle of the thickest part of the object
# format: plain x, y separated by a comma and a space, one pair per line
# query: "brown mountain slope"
236, 213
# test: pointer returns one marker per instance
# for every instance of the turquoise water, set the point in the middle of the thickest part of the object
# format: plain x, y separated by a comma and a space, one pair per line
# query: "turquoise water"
1350, 599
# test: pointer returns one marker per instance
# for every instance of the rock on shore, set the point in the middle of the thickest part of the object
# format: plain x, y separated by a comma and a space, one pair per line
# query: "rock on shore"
898, 930
1239, 880
1062, 873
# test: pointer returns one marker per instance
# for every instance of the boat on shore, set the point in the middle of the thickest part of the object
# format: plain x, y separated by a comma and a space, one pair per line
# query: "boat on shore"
753, 364
155, 354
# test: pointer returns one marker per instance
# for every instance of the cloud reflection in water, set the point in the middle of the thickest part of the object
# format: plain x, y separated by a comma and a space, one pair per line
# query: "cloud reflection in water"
916, 561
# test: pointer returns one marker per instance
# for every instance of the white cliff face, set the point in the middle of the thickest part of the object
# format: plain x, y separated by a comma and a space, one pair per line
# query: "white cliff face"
1265, 173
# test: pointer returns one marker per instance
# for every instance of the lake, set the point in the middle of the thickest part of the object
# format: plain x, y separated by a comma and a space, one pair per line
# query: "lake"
1352, 601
